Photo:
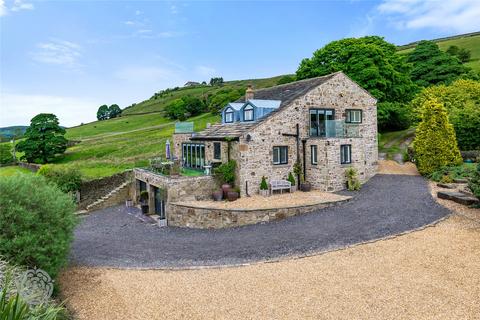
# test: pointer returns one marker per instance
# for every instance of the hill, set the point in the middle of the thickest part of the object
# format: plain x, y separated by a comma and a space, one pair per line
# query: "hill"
8, 132
470, 41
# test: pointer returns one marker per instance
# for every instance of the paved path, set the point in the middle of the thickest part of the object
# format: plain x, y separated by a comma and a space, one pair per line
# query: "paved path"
386, 205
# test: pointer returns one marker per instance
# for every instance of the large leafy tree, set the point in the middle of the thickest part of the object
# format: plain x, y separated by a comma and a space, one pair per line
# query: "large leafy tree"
44, 139
462, 101
103, 112
432, 66
371, 61
114, 111
435, 144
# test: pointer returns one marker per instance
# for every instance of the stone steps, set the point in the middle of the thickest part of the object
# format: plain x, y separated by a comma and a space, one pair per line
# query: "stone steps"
458, 197
101, 200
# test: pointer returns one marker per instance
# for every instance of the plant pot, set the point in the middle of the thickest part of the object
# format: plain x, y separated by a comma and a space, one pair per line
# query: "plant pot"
232, 195
225, 188
305, 187
144, 208
264, 193
217, 195
129, 203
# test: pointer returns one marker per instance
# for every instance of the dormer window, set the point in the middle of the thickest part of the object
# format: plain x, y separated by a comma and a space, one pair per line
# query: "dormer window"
229, 115
248, 113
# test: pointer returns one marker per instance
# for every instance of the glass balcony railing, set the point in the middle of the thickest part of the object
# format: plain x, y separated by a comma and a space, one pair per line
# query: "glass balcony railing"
183, 127
335, 129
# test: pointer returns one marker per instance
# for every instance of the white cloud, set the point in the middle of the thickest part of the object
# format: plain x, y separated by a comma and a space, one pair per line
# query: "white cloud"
18, 109
20, 5
138, 12
58, 52
3, 8
173, 9
129, 23
458, 15
205, 71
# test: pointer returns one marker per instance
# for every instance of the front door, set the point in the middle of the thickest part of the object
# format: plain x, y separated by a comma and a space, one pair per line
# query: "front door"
160, 199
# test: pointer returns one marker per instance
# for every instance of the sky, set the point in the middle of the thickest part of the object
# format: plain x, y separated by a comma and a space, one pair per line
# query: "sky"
70, 57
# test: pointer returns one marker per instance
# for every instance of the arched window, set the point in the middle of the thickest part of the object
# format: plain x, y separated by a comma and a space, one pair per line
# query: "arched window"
229, 115
248, 113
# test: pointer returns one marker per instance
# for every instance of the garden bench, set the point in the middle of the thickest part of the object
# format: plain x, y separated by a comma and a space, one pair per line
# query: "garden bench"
280, 185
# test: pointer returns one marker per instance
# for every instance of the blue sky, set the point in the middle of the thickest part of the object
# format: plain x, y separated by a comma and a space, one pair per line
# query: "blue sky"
69, 57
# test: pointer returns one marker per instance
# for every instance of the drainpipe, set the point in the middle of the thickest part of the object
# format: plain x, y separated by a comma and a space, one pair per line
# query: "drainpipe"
304, 141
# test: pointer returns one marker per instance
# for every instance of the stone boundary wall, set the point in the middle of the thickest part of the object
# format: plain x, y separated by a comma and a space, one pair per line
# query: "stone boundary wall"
210, 218
30, 166
95, 189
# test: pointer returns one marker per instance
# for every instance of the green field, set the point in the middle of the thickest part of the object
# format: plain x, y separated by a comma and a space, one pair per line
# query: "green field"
471, 43
12, 170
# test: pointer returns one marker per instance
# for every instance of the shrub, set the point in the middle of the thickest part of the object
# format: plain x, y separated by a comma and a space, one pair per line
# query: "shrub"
36, 223
6, 155
353, 183
291, 178
225, 173
446, 179
263, 184
454, 172
393, 116
435, 143
66, 179
474, 182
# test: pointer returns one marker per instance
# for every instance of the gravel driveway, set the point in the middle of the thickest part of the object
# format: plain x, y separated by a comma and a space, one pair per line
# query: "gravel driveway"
386, 205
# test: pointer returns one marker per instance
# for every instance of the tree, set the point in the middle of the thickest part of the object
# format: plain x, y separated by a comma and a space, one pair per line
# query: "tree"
464, 55
393, 116
114, 111
452, 50
6, 155
435, 144
432, 66
218, 81
103, 112
176, 110
462, 101
370, 61
193, 105
36, 223
44, 139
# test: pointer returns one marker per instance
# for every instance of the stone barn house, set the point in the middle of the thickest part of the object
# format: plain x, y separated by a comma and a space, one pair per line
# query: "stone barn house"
327, 123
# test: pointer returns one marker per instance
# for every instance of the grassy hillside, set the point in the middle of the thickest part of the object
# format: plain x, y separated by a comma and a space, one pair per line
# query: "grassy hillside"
470, 42
157, 104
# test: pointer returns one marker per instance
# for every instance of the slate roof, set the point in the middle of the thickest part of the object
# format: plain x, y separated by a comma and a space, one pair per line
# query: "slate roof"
285, 94
269, 104
222, 131
235, 105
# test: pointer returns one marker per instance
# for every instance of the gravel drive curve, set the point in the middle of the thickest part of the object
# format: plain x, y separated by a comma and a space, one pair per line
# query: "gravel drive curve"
385, 206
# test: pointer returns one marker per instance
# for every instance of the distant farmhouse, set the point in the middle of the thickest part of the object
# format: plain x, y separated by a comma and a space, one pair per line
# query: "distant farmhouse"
191, 84
327, 124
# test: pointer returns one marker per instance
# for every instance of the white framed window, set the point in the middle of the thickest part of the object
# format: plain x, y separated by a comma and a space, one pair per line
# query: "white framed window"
248, 113
353, 116
313, 154
229, 115
345, 154
280, 155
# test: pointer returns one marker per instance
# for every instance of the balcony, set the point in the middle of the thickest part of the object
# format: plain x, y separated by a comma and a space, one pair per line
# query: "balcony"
183, 127
335, 129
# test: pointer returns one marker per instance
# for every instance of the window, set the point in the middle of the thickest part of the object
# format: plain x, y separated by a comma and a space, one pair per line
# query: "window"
248, 113
321, 124
193, 155
353, 116
280, 155
229, 115
217, 151
345, 153
313, 154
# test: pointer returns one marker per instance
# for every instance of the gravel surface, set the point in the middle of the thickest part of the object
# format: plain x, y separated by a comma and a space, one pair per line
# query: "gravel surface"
393, 167
386, 205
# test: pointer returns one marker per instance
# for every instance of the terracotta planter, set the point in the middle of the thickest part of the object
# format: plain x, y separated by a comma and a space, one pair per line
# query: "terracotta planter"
305, 187
225, 188
217, 195
232, 195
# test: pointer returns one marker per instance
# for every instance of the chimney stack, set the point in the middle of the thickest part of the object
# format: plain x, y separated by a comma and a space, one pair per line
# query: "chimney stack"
249, 93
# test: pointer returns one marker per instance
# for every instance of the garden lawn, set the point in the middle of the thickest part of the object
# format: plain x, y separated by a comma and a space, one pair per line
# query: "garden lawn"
12, 170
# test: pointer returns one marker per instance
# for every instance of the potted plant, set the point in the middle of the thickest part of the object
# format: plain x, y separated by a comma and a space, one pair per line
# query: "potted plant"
233, 194
264, 187
144, 201
225, 173
217, 195
291, 178
304, 185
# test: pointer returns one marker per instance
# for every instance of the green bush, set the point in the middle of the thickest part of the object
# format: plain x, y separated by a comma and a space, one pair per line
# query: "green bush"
263, 184
6, 155
291, 178
36, 223
454, 172
392, 116
66, 179
435, 144
474, 182
225, 173
353, 183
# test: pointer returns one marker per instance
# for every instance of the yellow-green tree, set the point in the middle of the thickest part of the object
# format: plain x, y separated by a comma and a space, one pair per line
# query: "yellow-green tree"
435, 144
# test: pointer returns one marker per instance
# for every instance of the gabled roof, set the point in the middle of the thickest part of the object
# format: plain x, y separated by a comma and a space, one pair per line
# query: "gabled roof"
222, 131
268, 104
234, 105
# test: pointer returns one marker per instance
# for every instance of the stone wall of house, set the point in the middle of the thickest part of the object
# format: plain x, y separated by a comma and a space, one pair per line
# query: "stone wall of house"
255, 157
179, 138
178, 188
207, 218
